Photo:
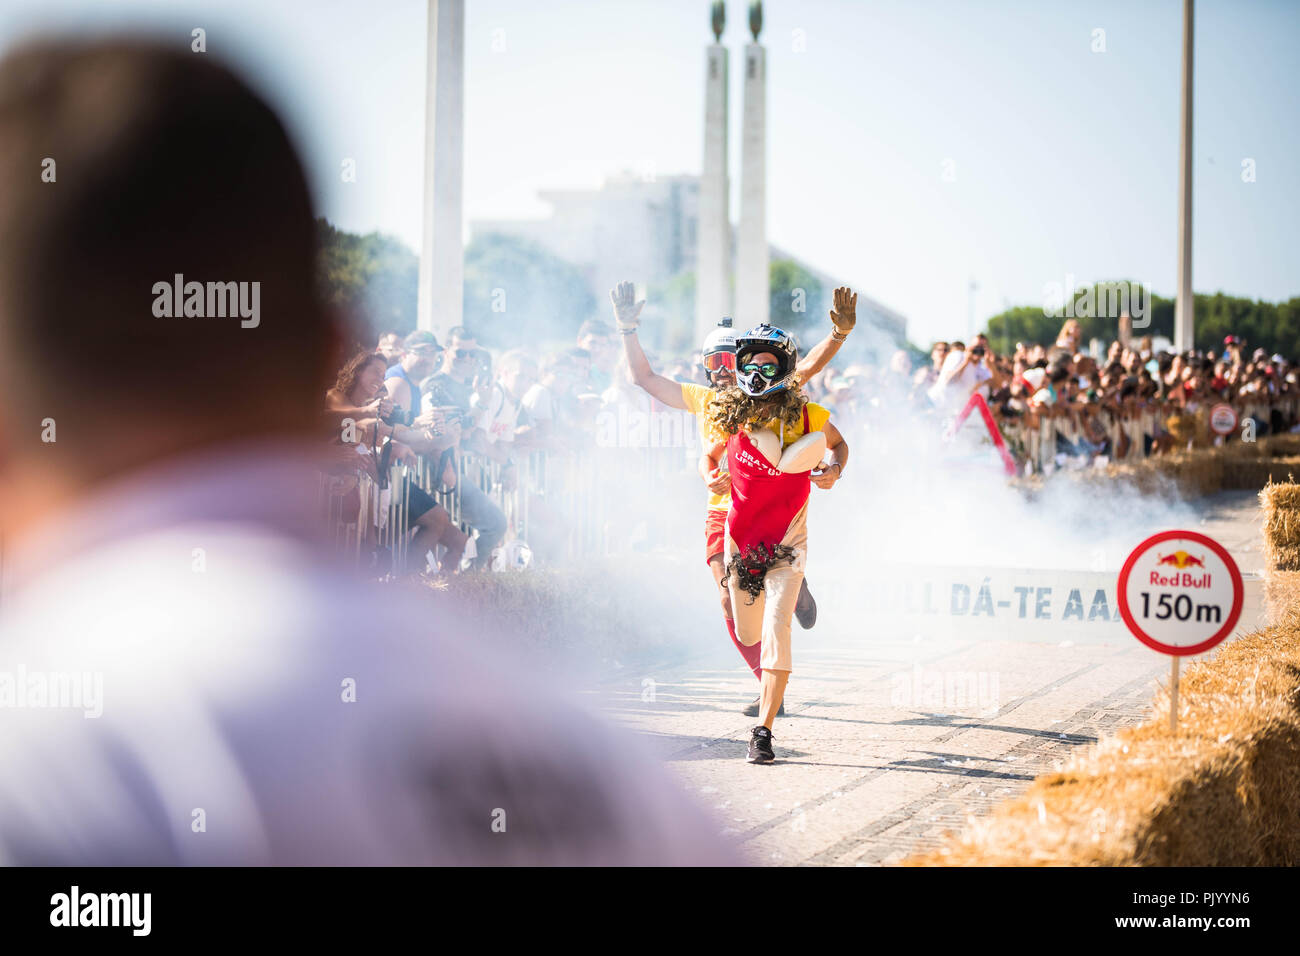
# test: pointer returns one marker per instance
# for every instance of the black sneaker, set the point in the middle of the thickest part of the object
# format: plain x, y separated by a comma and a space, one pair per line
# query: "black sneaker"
751, 710
805, 608
760, 746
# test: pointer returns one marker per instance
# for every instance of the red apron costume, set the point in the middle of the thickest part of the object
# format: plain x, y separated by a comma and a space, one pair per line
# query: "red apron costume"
767, 539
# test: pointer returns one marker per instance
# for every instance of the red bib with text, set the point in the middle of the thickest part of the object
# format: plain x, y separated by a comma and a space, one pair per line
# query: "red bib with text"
764, 501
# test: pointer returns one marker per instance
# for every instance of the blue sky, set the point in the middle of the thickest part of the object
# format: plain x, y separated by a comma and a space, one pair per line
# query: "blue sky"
1064, 160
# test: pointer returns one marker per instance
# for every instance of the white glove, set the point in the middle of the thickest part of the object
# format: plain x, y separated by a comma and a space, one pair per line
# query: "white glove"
627, 311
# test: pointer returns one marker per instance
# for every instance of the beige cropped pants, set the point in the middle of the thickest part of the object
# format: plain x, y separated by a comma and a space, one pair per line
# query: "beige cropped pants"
769, 618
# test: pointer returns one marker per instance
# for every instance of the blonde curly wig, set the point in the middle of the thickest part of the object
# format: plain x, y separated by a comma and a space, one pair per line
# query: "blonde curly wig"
732, 410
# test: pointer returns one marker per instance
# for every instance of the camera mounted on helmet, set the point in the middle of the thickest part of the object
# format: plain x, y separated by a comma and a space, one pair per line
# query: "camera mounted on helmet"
719, 349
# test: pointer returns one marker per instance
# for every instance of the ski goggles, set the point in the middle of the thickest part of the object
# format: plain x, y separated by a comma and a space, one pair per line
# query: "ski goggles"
719, 360
767, 369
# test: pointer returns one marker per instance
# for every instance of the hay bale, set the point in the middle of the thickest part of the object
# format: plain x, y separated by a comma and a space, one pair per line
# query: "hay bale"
1285, 557
1278, 445
1223, 791
1280, 511
1282, 597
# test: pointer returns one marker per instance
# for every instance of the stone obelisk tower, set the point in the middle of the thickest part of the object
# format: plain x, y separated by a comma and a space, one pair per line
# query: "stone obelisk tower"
442, 253
752, 296
713, 231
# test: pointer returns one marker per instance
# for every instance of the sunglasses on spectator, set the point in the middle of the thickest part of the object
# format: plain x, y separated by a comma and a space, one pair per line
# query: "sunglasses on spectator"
718, 360
768, 369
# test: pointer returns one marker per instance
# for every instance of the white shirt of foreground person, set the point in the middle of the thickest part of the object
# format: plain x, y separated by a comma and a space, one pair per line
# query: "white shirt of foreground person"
224, 646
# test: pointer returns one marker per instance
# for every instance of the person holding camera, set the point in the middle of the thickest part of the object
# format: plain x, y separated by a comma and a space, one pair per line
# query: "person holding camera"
420, 351
464, 374
964, 370
365, 416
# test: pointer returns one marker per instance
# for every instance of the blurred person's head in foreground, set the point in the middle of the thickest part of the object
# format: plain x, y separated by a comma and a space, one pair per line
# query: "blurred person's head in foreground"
171, 169
176, 249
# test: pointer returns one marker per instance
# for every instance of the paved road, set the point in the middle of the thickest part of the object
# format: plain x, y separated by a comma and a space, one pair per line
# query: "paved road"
888, 744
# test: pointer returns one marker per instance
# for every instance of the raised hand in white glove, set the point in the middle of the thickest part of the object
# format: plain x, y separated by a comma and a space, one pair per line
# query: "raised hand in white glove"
627, 310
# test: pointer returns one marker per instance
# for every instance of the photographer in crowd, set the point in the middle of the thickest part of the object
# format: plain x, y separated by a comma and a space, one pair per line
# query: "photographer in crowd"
464, 376
375, 436
420, 351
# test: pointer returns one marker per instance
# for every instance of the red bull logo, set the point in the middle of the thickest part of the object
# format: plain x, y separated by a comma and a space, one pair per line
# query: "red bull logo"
1181, 560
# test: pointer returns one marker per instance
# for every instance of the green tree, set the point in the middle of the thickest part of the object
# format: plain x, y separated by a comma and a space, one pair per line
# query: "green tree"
797, 299
371, 280
1273, 327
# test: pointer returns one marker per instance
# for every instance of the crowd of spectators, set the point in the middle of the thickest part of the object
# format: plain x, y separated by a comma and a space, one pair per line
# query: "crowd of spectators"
1082, 391
464, 419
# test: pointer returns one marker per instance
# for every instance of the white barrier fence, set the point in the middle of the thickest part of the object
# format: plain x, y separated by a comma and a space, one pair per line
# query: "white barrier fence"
603, 499
1038, 446
588, 503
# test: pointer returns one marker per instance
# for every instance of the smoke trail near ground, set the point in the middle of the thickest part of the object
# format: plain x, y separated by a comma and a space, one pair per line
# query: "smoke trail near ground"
912, 503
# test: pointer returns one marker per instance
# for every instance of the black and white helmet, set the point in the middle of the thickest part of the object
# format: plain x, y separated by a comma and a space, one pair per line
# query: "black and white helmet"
765, 338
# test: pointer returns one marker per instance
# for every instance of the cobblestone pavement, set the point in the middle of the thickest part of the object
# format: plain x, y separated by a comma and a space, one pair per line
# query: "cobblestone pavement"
888, 744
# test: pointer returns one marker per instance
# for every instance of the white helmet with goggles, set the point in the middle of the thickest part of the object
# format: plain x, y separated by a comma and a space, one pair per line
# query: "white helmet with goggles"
719, 349
770, 377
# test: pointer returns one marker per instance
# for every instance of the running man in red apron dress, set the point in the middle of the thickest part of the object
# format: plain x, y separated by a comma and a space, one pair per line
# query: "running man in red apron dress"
776, 441
718, 357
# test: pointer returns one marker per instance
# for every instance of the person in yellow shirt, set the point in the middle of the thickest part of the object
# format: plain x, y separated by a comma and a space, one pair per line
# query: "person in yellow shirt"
718, 357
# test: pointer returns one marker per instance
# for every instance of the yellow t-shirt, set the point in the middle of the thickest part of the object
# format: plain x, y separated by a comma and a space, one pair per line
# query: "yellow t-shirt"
696, 398
818, 416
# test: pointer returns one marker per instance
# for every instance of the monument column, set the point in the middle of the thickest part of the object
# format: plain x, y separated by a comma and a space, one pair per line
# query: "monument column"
752, 293
442, 254
713, 229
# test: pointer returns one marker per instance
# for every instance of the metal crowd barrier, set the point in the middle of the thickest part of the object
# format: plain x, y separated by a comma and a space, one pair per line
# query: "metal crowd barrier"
590, 502
1038, 445
582, 496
